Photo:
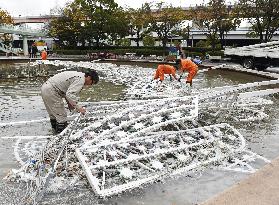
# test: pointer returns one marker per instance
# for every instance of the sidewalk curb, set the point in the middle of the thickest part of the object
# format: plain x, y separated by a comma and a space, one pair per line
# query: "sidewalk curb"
261, 188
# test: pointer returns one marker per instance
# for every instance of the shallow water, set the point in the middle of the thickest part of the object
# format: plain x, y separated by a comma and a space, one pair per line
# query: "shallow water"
20, 100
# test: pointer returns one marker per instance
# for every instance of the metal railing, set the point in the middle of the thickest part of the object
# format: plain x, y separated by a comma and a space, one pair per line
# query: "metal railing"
21, 30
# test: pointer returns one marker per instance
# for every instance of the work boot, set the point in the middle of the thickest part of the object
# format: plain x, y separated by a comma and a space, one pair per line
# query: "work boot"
60, 126
53, 123
190, 82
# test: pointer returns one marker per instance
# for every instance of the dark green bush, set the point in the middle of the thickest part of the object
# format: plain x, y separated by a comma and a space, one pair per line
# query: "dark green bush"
216, 53
145, 51
194, 54
201, 43
119, 51
71, 52
148, 41
197, 49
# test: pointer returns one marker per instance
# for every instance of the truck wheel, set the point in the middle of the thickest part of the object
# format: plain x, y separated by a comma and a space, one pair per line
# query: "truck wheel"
248, 63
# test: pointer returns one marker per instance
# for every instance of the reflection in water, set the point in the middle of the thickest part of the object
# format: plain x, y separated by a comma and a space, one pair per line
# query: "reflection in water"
21, 99
218, 78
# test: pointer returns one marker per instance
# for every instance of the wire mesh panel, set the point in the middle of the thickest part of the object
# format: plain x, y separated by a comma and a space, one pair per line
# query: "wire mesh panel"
113, 167
137, 120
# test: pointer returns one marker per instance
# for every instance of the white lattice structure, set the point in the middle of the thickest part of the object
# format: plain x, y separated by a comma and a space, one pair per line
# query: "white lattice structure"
147, 116
129, 163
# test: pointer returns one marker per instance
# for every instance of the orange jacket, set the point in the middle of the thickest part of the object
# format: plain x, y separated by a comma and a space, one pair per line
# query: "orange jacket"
164, 69
44, 55
188, 65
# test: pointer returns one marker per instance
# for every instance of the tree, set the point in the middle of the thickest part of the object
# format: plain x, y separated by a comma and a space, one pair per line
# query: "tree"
184, 32
89, 21
165, 20
123, 42
139, 21
5, 18
118, 26
148, 40
69, 27
263, 16
216, 18
104, 19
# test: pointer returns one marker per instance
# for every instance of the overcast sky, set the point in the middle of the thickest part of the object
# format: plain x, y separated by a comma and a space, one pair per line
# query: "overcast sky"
37, 7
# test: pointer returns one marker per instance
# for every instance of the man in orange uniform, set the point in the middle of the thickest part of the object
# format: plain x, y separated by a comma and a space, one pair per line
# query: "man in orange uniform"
190, 66
164, 69
44, 54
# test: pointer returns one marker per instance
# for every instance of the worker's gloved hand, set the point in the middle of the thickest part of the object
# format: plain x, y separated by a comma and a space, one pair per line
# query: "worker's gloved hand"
70, 106
82, 110
179, 79
159, 83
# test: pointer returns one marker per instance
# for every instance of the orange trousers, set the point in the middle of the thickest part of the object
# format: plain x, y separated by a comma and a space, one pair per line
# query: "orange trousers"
192, 73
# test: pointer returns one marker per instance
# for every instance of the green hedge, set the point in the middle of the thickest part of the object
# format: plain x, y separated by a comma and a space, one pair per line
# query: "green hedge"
197, 49
119, 51
194, 54
101, 48
71, 52
216, 53
145, 51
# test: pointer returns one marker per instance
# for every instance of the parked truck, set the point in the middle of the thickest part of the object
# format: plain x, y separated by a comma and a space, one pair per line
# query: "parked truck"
258, 56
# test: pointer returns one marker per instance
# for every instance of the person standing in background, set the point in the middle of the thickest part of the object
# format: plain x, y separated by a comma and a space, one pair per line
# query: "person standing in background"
180, 53
30, 51
44, 54
34, 50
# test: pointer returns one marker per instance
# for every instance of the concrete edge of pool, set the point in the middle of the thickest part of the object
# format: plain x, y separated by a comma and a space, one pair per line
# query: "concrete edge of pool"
260, 188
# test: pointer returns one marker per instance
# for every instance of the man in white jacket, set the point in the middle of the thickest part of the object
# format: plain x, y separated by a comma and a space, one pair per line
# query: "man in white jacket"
65, 85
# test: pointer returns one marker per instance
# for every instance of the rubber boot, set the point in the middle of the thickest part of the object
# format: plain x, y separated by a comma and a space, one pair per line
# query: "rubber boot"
190, 82
53, 123
60, 126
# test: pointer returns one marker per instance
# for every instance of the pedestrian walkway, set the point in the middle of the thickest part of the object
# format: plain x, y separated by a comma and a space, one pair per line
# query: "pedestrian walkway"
261, 188
27, 59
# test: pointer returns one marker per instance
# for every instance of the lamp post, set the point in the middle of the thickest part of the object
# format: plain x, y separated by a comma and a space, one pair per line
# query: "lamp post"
192, 39
228, 23
131, 29
188, 35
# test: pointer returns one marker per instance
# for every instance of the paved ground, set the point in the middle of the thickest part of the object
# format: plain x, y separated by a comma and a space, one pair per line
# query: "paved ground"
261, 188
26, 58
